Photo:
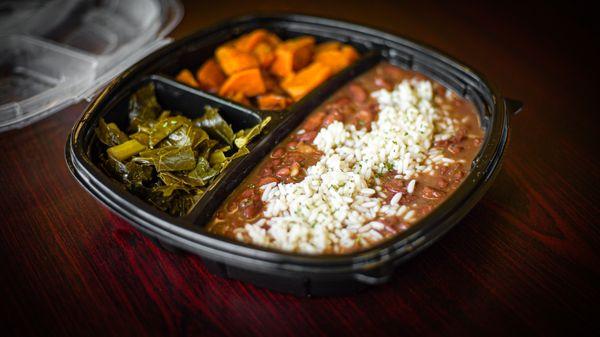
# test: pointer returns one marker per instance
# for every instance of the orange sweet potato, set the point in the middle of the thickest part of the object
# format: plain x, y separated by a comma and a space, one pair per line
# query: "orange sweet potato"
210, 76
264, 53
306, 80
248, 42
271, 83
335, 55
292, 55
248, 82
273, 102
329, 45
350, 53
233, 60
240, 98
185, 76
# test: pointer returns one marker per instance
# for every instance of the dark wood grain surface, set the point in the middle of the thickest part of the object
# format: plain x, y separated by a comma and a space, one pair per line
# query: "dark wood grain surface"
525, 261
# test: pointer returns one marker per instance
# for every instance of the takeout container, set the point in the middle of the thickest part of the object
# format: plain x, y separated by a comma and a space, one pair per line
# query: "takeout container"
289, 272
54, 53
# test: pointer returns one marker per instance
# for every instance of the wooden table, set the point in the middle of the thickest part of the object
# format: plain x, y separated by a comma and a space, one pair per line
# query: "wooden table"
523, 262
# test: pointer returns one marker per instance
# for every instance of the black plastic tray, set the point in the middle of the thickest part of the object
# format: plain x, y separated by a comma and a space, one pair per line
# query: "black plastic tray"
296, 273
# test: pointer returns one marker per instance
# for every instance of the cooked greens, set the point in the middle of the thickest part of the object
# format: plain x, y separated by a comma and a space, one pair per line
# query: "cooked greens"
125, 150
110, 134
169, 159
143, 108
215, 125
244, 136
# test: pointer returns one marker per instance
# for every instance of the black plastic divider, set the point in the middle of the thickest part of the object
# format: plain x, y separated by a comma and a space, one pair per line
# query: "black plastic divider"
274, 114
190, 102
237, 170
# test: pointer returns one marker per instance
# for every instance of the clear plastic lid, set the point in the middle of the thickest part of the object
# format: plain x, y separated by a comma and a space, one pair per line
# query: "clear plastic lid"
54, 53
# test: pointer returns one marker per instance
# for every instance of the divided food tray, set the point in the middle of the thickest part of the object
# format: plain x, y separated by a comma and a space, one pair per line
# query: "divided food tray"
55, 53
296, 273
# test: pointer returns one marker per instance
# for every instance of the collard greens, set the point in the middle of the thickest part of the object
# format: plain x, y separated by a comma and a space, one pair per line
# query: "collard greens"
167, 158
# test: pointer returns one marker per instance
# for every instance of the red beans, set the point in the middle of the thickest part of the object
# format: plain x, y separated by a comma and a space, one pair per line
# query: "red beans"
431, 193
307, 137
441, 143
252, 209
454, 148
283, 172
295, 169
358, 94
364, 119
458, 175
232, 207
247, 193
425, 209
383, 83
394, 72
343, 101
460, 135
250, 204
291, 157
332, 117
267, 171
313, 122
394, 185
442, 183
372, 107
278, 153
343, 106
267, 180
305, 148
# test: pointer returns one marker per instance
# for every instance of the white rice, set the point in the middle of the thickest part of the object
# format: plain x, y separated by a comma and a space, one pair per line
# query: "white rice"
338, 204
395, 199
411, 186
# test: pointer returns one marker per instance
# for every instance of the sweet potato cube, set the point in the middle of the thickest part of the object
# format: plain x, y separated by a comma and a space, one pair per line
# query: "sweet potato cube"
306, 80
273, 39
292, 55
186, 77
233, 60
350, 53
248, 42
329, 45
265, 54
273, 102
248, 82
335, 55
210, 76
240, 98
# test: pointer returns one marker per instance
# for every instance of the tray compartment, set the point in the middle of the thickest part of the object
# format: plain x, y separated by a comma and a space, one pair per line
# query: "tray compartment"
174, 97
196, 53
179, 98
